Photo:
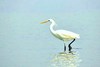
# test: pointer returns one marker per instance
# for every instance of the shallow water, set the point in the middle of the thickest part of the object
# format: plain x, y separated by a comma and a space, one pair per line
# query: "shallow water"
64, 59
24, 42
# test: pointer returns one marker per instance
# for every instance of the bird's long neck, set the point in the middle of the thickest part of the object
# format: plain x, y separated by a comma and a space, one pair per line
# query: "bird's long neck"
52, 26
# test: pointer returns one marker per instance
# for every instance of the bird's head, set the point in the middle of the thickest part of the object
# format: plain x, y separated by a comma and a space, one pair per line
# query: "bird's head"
49, 20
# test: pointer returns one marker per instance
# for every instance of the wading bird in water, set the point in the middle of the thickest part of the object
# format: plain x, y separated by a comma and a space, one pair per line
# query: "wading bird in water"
63, 35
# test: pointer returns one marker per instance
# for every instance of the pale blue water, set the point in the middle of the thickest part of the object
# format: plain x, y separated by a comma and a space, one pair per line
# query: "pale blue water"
26, 43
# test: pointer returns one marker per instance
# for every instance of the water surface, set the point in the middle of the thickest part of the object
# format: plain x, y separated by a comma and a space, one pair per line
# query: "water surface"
26, 43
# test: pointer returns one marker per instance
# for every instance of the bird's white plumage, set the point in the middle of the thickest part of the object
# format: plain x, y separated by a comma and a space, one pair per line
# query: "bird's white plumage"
66, 35
61, 34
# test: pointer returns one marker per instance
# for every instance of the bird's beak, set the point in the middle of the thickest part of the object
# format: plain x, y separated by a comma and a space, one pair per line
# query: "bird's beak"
44, 22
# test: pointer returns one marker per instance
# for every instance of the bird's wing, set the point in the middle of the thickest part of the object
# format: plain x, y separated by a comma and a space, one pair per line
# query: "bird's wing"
66, 34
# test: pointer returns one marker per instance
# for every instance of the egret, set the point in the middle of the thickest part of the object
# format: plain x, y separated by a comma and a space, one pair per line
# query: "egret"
63, 35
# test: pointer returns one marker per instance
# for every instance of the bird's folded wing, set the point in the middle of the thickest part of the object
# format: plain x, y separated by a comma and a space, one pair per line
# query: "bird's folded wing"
68, 36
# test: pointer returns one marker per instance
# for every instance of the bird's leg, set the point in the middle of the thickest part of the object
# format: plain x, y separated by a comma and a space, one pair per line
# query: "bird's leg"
64, 47
70, 48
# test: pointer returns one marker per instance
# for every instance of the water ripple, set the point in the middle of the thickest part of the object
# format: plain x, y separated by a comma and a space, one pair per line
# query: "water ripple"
64, 59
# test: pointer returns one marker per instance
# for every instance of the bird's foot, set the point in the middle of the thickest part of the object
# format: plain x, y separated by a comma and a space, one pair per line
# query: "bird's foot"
70, 51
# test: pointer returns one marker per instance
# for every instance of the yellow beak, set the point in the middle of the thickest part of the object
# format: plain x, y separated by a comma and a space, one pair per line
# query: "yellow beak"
44, 22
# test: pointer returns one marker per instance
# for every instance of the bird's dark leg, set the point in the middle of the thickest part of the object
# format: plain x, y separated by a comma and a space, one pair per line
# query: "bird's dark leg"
64, 47
70, 48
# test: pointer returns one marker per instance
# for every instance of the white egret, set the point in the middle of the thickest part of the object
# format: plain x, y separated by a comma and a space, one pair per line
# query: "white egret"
62, 34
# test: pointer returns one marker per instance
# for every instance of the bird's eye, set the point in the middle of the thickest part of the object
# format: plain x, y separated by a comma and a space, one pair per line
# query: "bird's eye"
48, 20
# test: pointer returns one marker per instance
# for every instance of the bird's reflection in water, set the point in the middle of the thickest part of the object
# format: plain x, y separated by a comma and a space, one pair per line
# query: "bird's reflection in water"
64, 59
